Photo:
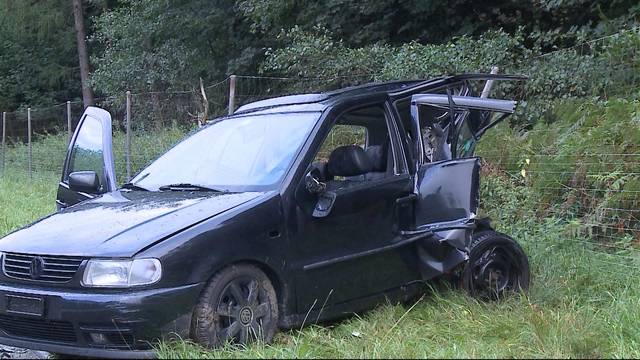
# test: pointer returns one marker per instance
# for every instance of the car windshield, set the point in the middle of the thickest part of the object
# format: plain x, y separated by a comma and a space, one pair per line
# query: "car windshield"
249, 153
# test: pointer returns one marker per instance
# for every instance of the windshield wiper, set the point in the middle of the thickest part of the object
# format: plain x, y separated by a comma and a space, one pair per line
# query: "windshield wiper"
132, 186
188, 187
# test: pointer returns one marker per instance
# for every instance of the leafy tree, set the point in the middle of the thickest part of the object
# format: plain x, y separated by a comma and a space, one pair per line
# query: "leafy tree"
38, 61
151, 45
558, 75
554, 22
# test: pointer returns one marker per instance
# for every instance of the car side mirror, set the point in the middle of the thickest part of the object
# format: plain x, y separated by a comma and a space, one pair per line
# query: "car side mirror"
313, 184
84, 181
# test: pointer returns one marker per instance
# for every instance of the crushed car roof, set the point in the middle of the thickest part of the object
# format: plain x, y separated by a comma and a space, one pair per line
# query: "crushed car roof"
392, 88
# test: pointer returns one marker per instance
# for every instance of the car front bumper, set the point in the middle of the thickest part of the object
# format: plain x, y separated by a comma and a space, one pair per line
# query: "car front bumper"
97, 323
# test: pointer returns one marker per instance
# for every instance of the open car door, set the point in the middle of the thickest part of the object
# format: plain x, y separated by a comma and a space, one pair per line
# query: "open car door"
88, 169
447, 177
460, 122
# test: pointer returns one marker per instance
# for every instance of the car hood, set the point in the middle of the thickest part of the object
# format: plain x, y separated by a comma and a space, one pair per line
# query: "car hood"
120, 224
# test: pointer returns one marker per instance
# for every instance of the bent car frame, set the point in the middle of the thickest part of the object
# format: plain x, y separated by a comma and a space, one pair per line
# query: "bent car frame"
303, 206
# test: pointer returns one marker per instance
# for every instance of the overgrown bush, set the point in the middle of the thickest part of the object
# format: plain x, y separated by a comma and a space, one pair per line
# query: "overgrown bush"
584, 166
606, 68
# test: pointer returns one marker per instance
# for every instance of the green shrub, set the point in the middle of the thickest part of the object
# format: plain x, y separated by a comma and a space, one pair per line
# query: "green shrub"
583, 166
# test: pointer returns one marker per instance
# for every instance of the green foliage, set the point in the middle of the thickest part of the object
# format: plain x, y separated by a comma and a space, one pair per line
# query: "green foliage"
584, 165
396, 22
150, 45
38, 60
610, 66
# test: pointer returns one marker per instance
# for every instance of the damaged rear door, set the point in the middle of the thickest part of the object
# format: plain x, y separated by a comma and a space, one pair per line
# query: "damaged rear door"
461, 123
446, 191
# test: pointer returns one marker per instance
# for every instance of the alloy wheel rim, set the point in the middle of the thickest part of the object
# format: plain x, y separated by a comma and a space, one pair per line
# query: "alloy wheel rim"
243, 311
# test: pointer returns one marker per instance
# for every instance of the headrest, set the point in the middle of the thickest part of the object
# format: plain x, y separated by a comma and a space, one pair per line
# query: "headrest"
378, 156
350, 160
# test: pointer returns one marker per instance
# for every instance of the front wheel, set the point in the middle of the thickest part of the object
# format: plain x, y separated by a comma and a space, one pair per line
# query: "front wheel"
239, 306
497, 266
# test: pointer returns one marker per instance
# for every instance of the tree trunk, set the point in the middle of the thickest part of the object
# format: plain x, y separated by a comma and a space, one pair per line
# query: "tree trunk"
83, 55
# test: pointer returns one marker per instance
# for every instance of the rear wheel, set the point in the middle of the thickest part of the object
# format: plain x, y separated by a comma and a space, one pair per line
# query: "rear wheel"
239, 306
497, 266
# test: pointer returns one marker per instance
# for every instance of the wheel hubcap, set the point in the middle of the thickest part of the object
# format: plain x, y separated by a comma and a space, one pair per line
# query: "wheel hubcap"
246, 315
243, 312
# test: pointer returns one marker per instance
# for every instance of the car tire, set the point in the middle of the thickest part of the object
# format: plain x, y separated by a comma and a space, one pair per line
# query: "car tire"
238, 306
497, 266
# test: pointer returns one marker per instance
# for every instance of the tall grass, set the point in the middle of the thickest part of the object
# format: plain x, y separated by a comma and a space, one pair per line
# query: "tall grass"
583, 161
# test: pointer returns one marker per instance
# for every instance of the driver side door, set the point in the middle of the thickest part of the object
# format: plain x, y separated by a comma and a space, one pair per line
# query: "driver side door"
89, 160
347, 251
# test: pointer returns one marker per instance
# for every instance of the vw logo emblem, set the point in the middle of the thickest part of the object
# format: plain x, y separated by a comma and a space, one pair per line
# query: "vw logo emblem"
37, 267
246, 315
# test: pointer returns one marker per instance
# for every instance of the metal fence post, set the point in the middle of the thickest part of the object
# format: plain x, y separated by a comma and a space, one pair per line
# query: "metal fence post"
29, 140
69, 120
128, 137
4, 139
232, 94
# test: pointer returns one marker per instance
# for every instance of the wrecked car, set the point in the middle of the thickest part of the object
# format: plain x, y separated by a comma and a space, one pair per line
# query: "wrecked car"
299, 207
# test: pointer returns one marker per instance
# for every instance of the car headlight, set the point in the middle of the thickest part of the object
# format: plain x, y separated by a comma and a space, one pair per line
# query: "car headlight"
121, 273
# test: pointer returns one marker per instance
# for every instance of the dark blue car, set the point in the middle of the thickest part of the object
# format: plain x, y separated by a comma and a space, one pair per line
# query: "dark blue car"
305, 206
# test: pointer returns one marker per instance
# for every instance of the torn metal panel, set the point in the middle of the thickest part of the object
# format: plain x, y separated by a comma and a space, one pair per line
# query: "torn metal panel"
447, 192
465, 102
437, 257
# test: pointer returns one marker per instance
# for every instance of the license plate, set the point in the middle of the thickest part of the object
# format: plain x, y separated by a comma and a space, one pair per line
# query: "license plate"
25, 305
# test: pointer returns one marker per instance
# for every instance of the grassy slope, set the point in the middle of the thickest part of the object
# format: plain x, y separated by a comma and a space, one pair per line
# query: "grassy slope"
583, 302
22, 201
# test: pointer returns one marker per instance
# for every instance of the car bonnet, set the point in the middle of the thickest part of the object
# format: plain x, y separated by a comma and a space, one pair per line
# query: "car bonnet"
120, 224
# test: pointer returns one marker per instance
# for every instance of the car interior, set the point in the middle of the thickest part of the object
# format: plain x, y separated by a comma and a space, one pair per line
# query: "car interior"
356, 150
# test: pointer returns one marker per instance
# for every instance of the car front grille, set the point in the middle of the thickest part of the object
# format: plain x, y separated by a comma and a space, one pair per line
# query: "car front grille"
40, 267
38, 329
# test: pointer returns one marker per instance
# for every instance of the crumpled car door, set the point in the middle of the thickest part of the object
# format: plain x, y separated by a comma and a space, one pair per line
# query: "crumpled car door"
90, 150
465, 120
447, 189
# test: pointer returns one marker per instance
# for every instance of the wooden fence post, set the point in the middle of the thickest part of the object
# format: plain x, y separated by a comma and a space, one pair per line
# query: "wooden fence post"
29, 140
232, 94
69, 120
489, 84
128, 137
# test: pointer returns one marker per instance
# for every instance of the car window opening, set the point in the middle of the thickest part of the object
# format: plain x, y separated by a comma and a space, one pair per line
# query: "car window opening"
360, 135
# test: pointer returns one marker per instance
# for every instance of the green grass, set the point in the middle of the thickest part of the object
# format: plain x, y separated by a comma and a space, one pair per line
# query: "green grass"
23, 201
583, 301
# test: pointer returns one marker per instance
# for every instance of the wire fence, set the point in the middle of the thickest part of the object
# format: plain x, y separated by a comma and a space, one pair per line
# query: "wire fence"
599, 192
